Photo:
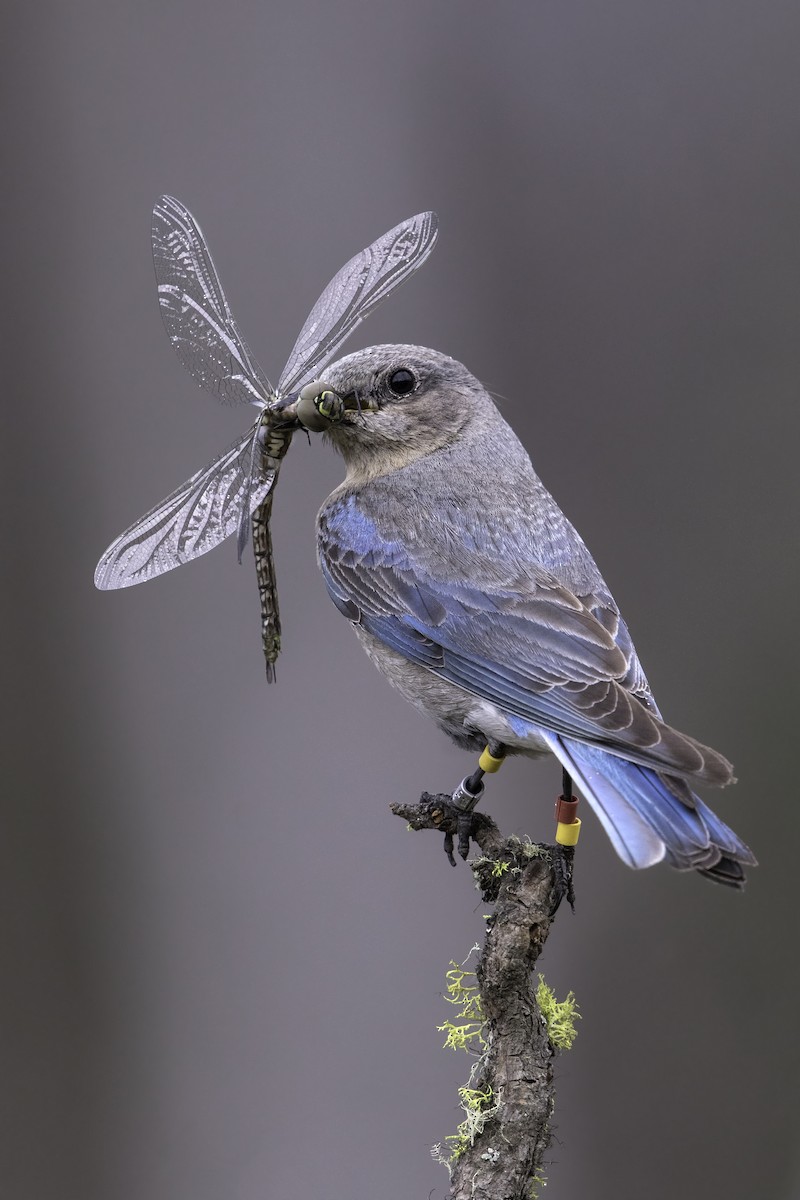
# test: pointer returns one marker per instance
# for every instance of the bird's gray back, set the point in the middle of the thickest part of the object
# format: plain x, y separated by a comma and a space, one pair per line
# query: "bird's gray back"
476, 507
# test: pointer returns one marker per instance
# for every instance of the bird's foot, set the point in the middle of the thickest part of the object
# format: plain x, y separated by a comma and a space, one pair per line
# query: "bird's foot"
568, 828
466, 797
465, 828
463, 801
563, 863
439, 812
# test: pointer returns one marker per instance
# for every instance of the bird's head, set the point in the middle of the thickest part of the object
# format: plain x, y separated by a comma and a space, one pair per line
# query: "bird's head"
397, 404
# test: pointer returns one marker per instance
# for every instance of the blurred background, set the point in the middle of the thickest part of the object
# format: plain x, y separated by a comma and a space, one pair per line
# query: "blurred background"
222, 957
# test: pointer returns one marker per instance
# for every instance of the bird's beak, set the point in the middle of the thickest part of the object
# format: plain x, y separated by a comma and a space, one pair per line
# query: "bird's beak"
354, 403
301, 409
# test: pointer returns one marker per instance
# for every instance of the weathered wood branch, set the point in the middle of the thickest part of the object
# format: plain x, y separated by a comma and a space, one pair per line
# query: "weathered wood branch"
525, 882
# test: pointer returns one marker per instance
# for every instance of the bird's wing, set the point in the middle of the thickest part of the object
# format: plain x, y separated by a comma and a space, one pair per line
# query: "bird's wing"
525, 643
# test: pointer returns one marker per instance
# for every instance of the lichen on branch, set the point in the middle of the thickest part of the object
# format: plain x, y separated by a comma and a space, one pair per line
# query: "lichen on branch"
498, 1149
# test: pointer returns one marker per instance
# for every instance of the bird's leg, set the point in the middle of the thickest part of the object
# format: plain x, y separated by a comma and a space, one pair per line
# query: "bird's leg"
568, 827
467, 795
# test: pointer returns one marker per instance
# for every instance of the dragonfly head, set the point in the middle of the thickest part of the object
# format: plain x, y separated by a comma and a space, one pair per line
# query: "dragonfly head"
318, 405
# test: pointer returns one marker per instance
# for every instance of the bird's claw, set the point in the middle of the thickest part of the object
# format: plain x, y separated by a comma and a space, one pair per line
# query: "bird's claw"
563, 859
464, 829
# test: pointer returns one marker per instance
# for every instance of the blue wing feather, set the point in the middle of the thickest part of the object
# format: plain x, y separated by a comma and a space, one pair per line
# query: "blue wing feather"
534, 648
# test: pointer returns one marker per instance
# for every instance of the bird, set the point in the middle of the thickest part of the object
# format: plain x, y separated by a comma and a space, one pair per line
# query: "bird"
474, 595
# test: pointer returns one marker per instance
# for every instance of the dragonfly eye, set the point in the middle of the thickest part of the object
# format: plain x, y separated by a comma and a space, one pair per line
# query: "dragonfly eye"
318, 406
329, 404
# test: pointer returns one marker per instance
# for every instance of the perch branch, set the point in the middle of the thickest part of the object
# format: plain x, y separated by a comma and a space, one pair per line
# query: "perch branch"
525, 882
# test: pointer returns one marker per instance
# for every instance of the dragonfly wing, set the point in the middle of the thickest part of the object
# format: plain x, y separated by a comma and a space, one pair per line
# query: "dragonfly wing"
196, 315
196, 517
354, 292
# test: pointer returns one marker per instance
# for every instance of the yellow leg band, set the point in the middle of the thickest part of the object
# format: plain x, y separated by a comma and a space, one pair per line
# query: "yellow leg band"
488, 763
567, 835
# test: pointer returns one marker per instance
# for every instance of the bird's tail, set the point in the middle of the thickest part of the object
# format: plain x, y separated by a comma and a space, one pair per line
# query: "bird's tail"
650, 816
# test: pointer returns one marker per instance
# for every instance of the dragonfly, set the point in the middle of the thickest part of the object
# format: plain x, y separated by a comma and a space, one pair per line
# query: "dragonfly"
233, 494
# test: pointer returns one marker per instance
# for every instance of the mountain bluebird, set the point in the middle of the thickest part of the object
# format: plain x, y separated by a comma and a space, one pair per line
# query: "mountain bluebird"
472, 592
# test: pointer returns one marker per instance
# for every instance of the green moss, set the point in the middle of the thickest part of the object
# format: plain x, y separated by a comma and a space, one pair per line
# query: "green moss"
466, 1031
560, 1015
538, 1182
478, 1108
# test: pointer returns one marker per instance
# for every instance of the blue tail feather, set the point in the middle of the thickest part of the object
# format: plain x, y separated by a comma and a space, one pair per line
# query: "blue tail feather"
650, 816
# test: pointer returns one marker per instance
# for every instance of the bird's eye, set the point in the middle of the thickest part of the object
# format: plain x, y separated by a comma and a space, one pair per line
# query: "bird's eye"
402, 382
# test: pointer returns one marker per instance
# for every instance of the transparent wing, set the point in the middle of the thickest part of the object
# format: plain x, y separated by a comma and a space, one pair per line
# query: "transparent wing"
354, 292
196, 315
196, 517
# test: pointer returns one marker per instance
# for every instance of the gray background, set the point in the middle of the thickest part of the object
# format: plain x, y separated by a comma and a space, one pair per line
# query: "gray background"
222, 957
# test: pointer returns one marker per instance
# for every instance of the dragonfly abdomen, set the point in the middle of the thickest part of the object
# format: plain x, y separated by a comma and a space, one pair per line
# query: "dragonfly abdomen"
277, 444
